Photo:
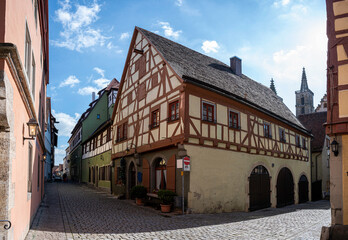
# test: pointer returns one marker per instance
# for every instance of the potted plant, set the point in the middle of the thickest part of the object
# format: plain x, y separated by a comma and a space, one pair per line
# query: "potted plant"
139, 193
167, 199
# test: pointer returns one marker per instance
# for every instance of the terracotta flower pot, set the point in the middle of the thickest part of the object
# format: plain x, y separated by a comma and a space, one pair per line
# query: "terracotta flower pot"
165, 208
139, 201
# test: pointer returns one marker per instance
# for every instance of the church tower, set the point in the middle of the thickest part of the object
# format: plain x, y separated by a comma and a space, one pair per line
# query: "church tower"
304, 97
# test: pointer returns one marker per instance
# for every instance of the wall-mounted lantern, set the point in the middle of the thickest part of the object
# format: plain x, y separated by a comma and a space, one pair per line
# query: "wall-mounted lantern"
32, 128
334, 147
44, 156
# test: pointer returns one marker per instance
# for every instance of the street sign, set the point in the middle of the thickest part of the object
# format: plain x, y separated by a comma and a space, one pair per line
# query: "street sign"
187, 164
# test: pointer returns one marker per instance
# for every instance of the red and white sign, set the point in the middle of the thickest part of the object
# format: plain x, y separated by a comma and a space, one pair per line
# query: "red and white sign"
187, 164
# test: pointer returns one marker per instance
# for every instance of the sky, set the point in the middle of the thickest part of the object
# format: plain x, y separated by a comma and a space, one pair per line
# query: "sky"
89, 41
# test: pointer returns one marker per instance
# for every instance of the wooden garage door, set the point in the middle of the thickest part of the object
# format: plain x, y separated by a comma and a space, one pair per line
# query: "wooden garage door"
285, 188
259, 188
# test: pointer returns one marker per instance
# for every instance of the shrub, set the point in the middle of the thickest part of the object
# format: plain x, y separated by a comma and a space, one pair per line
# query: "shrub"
166, 196
138, 192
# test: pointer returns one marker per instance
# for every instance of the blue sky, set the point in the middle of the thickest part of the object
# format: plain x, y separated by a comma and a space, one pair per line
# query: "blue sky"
89, 41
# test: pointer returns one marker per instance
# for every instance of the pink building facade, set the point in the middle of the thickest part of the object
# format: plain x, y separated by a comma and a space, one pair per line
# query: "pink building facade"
23, 79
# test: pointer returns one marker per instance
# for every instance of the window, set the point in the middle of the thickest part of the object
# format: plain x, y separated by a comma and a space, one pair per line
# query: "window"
27, 53
302, 100
121, 132
155, 119
38, 172
297, 140
161, 174
30, 162
173, 111
35, 12
108, 136
282, 135
112, 97
302, 110
233, 120
105, 173
33, 76
304, 143
267, 130
105, 133
208, 112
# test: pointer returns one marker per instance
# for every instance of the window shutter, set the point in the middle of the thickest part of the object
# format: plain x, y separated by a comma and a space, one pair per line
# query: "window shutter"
171, 174
146, 174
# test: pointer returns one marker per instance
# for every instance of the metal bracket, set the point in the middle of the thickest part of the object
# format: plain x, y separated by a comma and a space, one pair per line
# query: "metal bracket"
8, 225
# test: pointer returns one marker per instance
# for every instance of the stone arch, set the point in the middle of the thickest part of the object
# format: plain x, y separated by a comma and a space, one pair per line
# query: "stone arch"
303, 189
158, 157
131, 175
259, 188
285, 187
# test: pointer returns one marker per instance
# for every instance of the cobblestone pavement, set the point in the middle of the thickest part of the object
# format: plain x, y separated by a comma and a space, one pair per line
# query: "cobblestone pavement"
71, 211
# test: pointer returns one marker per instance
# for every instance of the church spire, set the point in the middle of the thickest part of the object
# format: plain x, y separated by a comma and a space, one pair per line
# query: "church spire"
272, 87
304, 84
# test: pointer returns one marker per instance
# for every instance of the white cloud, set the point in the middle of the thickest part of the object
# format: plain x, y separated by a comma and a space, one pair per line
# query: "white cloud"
87, 90
280, 3
168, 30
179, 2
124, 36
210, 46
66, 122
101, 82
77, 32
70, 81
99, 71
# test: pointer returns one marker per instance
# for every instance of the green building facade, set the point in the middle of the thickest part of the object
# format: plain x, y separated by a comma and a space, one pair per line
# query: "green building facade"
96, 142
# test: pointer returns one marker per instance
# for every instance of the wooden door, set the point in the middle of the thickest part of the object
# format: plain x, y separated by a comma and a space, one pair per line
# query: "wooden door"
259, 189
303, 189
285, 188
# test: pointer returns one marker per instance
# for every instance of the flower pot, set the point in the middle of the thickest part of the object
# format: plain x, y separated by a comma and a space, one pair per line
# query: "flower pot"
165, 208
139, 201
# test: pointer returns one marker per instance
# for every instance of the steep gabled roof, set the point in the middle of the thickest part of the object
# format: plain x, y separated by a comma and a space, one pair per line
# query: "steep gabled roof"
210, 73
314, 123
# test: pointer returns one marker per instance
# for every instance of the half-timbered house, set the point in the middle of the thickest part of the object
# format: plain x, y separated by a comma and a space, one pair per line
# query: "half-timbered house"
247, 149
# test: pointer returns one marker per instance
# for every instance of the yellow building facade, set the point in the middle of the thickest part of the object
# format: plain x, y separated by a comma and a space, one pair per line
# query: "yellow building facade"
243, 142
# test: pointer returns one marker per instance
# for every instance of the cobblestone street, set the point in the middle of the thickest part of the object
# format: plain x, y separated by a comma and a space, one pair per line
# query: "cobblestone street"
72, 211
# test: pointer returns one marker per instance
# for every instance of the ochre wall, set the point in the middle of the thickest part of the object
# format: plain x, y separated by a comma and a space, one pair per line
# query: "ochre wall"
219, 178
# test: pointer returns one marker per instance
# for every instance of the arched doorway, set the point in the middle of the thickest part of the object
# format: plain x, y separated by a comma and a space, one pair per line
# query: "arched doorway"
285, 188
259, 189
161, 174
303, 189
132, 176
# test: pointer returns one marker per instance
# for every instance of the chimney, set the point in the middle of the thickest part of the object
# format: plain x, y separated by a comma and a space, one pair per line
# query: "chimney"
236, 65
93, 96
